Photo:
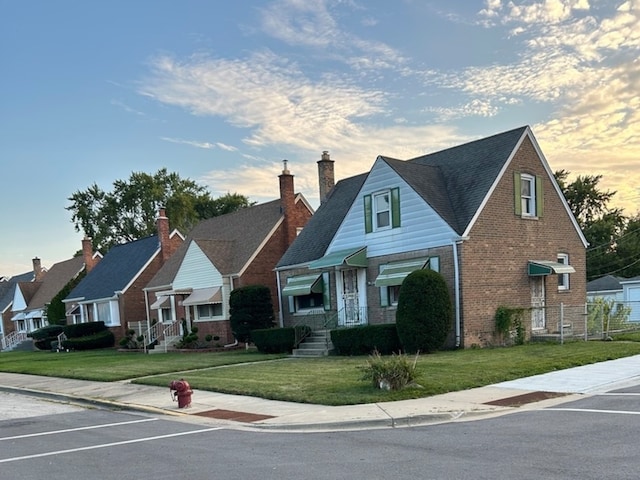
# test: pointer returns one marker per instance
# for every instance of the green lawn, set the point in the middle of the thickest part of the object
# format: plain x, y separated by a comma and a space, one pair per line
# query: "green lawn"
328, 381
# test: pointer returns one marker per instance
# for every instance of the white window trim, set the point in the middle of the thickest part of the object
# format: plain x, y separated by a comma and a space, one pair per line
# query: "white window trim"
375, 211
530, 199
198, 318
563, 285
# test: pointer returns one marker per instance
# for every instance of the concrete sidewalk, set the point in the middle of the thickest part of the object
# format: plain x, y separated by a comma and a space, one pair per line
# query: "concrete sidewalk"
256, 413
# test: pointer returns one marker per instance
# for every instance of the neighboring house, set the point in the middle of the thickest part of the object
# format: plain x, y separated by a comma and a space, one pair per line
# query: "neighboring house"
488, 215
222, 253
607, 288
31, 298
7, 292
112, 290
624, 291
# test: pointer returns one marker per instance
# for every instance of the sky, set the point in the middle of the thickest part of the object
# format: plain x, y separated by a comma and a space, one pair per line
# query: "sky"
222, 92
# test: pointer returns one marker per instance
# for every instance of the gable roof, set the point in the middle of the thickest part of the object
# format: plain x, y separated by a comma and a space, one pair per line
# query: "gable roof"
116, 270
7, 288
54, 281
606, 283
455, 182
229, 240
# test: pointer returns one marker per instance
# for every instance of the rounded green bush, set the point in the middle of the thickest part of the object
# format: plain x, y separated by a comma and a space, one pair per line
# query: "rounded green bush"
425, 314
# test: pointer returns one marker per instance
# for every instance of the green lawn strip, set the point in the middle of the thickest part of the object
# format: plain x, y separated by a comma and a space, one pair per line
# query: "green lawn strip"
328, 380
111, 365
336, 380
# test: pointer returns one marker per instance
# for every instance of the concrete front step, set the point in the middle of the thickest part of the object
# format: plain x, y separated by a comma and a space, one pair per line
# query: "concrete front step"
317, 344
170, 343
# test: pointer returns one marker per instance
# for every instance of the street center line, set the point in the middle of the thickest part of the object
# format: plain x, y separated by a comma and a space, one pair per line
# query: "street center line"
91, 427
106, 445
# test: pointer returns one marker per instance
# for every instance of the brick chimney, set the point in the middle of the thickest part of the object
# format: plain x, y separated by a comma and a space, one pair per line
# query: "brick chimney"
87, 254
38, 273
162, 224
287, 203
325, 176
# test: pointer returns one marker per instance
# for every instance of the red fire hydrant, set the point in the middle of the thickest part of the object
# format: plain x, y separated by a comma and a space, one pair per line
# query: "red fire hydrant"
182, 392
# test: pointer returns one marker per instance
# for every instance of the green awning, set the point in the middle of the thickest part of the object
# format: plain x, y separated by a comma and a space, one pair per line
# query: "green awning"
302, 285
547, 267
395, 273
353, 257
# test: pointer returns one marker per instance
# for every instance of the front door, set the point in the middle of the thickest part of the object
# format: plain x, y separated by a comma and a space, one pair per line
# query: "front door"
538, 321
350, 298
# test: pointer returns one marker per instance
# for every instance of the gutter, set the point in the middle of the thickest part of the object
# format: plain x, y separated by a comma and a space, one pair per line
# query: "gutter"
456, 286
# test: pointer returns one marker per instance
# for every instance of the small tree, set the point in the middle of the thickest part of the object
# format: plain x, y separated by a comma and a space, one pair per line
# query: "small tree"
424, 316
250, 308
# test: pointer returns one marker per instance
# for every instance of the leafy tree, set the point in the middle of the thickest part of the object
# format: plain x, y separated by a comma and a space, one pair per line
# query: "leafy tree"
425, 313
602, 226
129, 211
250, 308
55, 311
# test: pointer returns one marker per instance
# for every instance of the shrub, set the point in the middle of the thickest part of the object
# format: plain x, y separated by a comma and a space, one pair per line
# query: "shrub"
390, 373
510, 324
365, 339
56, 311
250, 308
425, 314
274, 340
84, 329
104, 339
43, 337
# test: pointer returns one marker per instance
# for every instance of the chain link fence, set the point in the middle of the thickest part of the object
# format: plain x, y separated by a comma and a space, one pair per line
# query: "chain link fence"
597, 320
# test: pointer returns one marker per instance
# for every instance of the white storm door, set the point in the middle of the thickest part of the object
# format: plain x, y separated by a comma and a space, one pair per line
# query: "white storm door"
538, 321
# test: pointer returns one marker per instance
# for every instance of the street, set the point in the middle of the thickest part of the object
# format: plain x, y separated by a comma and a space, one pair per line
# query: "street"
592, 438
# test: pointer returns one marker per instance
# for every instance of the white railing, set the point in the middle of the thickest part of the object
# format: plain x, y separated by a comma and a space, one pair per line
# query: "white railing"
172, 330
12, 339
61, 338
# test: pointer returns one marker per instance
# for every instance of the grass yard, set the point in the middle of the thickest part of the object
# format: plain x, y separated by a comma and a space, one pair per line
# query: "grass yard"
327, 381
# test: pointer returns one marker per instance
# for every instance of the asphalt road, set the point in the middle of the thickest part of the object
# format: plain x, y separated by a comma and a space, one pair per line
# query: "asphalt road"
592, 438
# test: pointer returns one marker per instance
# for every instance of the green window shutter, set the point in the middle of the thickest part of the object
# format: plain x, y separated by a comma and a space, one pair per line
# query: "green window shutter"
292, 304
384, 296
539, 197
434, 264
395, 207
517, 194
368, 214
326, 292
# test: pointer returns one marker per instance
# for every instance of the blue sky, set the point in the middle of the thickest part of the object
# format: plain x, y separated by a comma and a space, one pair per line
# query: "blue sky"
221, 92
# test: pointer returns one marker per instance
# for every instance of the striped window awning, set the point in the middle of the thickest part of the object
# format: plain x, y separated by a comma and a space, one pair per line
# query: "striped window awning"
548, 267
395, 273
302, 285
353, 257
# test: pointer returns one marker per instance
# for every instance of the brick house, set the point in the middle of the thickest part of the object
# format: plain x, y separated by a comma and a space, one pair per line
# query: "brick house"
112, 289
222, 253
488, 215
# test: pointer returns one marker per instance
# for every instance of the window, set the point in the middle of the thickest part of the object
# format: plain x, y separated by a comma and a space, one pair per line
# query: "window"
528, 195
166, 315
393, 274
103, 313
208, 310
309, 302
382, 210
563, 278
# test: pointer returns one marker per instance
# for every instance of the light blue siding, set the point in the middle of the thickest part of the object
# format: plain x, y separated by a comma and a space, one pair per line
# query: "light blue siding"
421, 226
196, 271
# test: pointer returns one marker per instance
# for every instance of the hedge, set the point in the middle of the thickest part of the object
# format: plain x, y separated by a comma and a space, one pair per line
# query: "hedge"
275, 340
43, 337
104, 339
84, 329
365, 339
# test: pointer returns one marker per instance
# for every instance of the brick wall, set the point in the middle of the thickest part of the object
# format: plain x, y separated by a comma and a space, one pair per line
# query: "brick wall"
494, 258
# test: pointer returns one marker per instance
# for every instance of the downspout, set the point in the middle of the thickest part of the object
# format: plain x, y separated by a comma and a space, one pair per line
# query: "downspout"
280, 316
235, 343
456, 286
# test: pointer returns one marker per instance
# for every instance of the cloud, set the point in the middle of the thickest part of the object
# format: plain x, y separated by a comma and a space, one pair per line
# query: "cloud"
197, 144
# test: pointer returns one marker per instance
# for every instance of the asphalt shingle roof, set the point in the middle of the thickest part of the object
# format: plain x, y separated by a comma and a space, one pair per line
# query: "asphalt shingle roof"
116, 270
454, 182
606, 283
56, 278
228, 240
